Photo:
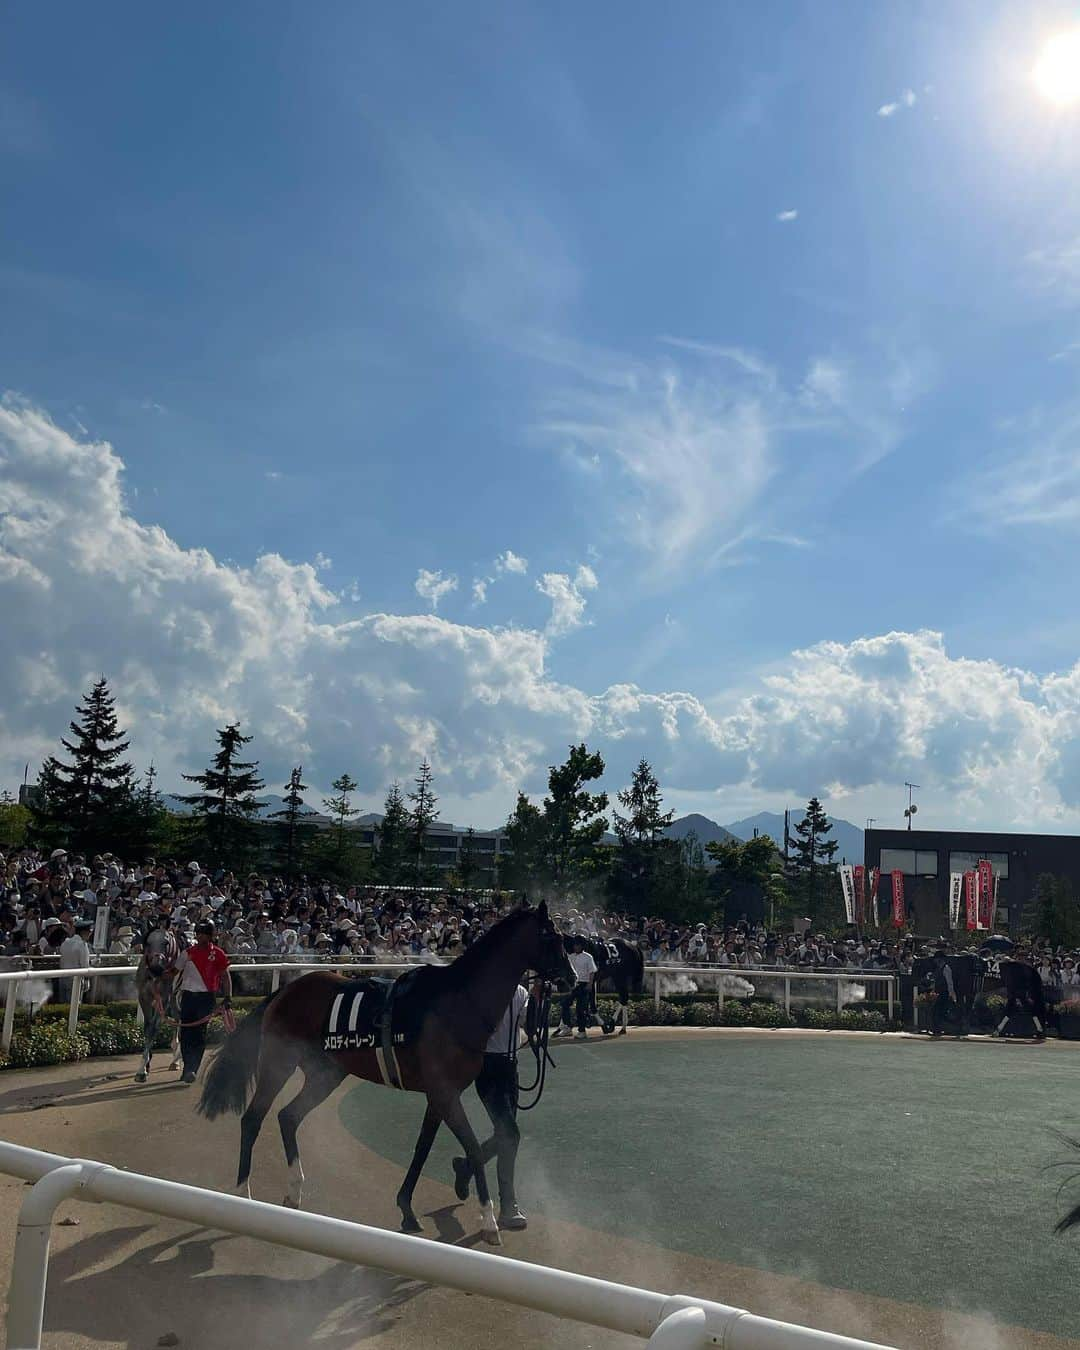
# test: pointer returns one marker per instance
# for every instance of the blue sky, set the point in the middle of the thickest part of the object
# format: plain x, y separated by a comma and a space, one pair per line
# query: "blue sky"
749, 330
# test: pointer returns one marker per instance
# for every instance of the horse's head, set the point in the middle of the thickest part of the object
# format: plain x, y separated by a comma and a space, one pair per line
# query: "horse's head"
548, 957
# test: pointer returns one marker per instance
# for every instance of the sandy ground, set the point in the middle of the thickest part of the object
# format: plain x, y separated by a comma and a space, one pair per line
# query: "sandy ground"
122, 1279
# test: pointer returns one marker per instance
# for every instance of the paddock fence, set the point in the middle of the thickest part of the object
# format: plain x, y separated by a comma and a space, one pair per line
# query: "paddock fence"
779, 986
663, 1321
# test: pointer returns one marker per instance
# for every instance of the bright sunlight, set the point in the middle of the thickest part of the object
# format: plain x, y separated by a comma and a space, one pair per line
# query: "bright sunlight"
1058, 71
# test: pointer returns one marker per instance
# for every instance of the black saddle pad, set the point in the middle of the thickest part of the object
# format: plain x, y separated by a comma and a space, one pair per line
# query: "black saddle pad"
359, 1009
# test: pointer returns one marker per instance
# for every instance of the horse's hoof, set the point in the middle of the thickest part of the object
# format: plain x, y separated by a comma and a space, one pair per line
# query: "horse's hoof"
491, 1237
622, 1031
411, 1225
290, 1203
140, 1077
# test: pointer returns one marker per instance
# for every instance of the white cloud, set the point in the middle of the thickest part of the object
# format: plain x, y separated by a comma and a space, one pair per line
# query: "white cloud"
479, 589
567, 598
907, 99
509, 561
1036, 481
433, 586
188, 642
787, 215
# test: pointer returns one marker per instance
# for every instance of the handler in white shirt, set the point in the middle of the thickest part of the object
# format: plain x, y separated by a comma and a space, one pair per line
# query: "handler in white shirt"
580, 998
497, 1088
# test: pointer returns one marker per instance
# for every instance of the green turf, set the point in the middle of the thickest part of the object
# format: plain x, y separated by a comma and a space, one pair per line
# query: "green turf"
909, 1169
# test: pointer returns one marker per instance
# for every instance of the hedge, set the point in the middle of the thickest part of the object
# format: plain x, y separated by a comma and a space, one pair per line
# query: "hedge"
644, 1012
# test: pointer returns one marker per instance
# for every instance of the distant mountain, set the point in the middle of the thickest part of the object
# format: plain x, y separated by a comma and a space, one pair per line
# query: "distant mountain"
848, 836
707, 831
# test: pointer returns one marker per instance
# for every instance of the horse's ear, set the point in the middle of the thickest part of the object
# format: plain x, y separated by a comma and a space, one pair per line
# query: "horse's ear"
542, 909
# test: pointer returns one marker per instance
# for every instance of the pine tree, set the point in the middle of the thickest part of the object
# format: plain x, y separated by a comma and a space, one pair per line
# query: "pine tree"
340, 808
573, 821
151, 822
811, 865
87, 804
293, 826
224, 813
422, 816
393, 838
646, 875
468, 863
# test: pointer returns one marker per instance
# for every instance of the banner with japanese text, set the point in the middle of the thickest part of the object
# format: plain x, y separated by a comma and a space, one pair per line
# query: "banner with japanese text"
875, 885
971, 896
847, 885
860, 893
898, 912
986, 894
956, 891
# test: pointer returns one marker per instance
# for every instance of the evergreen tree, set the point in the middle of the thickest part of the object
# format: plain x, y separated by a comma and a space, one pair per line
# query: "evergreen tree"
693, 877
224, 814
646, 875
468, 863
340, 808
87, 804
293, 827
812, 872
393, 838
423, 815
573, 821
523, 865
152, 823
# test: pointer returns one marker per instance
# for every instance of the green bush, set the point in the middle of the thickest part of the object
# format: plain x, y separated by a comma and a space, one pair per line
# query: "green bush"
43, 1044
110, 1036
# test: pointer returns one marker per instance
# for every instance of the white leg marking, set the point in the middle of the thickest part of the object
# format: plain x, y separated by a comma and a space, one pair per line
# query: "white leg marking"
489, 1225
296, 1185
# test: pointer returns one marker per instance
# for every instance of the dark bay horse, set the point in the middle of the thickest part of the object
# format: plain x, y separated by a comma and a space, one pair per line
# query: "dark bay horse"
454, 1010
619, 962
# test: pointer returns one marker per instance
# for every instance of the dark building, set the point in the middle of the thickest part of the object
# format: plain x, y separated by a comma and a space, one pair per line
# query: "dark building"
926, 857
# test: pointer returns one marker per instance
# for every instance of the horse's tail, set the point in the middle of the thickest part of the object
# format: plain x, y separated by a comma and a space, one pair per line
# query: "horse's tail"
235, 1065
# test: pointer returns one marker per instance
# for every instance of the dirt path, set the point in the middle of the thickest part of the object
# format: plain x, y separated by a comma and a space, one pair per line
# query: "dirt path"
122, 1279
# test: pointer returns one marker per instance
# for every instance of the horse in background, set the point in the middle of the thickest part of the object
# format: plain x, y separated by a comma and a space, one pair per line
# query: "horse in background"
622, 965
154, 978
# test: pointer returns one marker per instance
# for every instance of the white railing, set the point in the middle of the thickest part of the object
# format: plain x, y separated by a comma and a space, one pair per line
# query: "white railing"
708, 974
667, 1322
11, 979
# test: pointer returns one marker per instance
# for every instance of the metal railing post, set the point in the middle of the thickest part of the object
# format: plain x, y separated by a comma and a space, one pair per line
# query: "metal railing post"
787, 995
76, 999
275, 981
839, 999
889, 986
9, 1014
30, 1265
656, 988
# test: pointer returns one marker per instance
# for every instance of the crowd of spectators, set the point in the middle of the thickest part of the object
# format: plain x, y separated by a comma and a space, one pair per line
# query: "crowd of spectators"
48, 905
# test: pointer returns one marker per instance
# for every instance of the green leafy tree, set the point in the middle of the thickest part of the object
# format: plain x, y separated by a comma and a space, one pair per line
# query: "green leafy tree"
294, 828
224, 814
393, 838
812, 874
646, 876
693, 878
422, 816
574, 823
523, 866
745, 875
1053, 914
87, 803
15, 822
340, 808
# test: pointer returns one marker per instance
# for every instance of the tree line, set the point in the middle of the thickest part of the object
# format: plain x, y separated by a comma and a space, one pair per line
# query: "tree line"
89, 799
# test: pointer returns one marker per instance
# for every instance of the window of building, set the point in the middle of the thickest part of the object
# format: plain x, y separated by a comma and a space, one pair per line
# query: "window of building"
968, 862
912, 862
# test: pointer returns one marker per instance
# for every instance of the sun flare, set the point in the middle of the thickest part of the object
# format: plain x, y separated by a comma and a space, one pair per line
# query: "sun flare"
1057, 73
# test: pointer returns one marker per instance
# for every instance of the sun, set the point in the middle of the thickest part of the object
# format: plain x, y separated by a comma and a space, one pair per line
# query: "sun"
1057, 73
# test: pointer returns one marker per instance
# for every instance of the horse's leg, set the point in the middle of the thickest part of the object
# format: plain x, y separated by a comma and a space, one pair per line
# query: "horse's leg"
176, 1060
424, 1140
622, 988
149, 1033
276, 1063
453, 1113
321, 1077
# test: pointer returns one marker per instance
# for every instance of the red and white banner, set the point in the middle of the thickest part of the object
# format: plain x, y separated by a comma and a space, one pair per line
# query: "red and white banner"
986, 894
859, 872
847, 885
971, 896
875, 884
899, 914
956, 890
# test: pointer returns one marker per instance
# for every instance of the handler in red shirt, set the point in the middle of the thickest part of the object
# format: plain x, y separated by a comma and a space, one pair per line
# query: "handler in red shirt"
204, 973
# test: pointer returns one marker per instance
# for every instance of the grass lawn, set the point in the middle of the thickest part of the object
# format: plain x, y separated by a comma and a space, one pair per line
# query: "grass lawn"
909, 1169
